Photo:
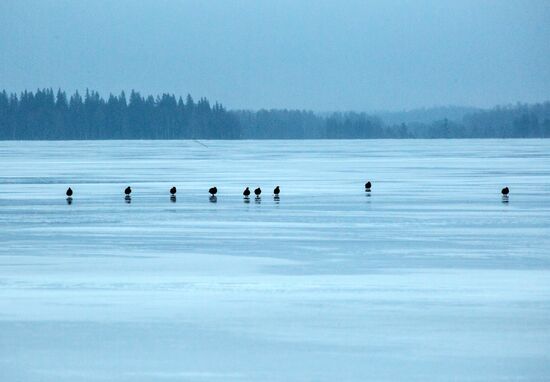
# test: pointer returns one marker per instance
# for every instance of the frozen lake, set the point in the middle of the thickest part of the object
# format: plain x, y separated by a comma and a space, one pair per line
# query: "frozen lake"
430, 277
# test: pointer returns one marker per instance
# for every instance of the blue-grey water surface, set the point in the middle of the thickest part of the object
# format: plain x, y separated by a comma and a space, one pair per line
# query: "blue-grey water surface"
432, 276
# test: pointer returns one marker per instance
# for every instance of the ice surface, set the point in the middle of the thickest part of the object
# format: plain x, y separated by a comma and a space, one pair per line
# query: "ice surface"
430, 277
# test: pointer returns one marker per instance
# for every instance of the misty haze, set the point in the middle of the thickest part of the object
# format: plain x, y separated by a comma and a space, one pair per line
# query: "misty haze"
274, 190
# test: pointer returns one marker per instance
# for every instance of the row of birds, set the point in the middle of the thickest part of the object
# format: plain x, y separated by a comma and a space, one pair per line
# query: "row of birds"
213, 191
246, 193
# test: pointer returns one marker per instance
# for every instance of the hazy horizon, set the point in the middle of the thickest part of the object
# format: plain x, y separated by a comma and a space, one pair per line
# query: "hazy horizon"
196, 97
322, 56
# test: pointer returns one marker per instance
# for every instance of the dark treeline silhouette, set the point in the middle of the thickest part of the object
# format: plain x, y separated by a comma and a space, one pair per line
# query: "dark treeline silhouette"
295, 124
50, 115
45, 115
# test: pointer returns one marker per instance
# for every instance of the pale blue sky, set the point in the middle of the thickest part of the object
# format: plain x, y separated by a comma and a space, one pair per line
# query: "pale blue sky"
320, 55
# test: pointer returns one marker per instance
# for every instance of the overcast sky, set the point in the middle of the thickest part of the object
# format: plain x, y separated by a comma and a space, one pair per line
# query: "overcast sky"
319, 55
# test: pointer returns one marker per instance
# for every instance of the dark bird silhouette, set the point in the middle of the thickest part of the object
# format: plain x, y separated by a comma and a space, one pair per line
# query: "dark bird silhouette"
277, 191
128, 191
505, 191
213, 191
246, 192
69, 192
258, 191
368, 185
173, 191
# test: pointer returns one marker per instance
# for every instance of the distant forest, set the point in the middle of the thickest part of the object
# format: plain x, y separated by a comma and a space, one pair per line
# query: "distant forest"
49, 115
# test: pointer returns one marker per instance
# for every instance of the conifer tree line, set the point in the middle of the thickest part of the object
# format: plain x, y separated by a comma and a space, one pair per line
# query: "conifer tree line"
45, 115
49, 115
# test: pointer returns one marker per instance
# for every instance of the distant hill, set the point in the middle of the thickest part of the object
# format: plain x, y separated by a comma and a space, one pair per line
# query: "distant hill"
425, 115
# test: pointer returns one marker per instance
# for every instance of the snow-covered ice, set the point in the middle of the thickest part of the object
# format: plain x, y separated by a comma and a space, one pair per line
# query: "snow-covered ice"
430, 277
